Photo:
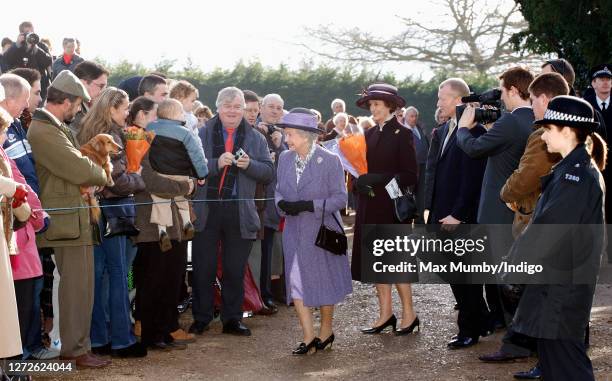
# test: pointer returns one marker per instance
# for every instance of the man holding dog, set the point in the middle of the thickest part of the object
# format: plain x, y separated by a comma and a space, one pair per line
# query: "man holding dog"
61, 170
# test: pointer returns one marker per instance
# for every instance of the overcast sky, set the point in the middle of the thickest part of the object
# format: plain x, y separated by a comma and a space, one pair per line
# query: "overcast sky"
211, 33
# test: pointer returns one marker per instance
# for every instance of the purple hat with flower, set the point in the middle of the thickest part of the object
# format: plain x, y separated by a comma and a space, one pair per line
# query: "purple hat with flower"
302, 119
383, 92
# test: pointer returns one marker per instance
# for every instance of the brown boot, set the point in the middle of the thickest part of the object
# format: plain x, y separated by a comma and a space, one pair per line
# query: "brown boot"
182, 337
188, 231
164, 242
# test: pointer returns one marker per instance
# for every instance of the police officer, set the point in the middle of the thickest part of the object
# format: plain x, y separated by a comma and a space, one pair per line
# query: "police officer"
556, 311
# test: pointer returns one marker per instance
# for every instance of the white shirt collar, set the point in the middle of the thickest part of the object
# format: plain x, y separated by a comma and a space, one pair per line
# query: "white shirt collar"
600, 101
520, 107
53, 117
385, 122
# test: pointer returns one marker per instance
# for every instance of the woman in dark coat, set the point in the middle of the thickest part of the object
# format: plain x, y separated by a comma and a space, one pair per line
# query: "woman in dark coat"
570, 215
310, 189
390, 153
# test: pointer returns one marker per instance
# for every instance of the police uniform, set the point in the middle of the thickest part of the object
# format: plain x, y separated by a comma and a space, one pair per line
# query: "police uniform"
557, 313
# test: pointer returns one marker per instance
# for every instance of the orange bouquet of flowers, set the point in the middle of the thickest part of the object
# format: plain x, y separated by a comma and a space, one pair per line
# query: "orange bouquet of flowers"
353, 147
137, 144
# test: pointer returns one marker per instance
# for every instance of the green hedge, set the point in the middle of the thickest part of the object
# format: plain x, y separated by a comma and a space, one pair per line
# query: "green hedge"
310, 86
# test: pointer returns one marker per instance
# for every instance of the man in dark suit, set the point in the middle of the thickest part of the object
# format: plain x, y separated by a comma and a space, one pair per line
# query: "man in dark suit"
601, 81
502, 145
421, 145
456, 190
599, 97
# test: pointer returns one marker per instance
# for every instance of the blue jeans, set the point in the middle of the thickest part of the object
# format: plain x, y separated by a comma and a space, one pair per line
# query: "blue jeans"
34, 337
131, 250
109, 257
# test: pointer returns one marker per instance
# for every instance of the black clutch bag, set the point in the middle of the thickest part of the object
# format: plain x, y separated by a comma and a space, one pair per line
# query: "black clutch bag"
405, 206
331, 240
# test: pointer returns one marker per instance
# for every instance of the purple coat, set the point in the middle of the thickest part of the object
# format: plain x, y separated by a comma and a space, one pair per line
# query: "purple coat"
326, 278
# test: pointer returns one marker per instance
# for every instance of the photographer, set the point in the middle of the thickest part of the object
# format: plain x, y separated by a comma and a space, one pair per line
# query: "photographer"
28, 51
503, 145
271, 113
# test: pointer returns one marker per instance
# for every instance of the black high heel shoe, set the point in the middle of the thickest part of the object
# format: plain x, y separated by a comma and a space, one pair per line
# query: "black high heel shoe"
323, 344
408, 330
304, 349
391, 322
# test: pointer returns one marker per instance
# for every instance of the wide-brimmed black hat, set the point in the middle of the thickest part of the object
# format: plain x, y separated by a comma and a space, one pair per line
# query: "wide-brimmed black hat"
600, 71
565, 110
302, 119
383, 92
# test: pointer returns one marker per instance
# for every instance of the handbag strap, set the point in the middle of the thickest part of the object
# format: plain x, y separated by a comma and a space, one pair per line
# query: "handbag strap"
333, 215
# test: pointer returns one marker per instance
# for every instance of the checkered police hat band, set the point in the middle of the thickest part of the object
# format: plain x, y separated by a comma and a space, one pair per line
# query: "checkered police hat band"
557, 115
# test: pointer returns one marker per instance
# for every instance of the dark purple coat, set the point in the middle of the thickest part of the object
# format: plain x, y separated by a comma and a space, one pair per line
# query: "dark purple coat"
326, 278
390, 151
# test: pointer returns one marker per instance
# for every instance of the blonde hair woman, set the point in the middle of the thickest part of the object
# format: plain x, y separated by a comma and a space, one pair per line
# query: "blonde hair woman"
108, 116
12, 199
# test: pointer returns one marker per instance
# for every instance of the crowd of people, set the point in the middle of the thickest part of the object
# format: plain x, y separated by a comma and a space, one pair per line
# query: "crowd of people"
252, 171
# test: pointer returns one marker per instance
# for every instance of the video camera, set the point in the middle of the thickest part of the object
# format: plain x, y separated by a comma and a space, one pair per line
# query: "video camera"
32, 38
483, 115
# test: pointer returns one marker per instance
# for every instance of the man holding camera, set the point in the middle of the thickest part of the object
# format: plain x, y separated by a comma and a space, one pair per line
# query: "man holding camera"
28, 51
232, 219
271, 113
503, 145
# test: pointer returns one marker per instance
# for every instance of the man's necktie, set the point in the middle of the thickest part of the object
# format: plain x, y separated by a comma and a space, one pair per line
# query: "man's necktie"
229, 147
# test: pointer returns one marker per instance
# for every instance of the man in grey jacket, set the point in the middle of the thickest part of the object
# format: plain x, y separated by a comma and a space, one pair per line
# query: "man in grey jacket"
231, 219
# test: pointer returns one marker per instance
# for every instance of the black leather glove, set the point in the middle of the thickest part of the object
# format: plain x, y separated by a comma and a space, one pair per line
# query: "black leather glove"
366, 182
293, 208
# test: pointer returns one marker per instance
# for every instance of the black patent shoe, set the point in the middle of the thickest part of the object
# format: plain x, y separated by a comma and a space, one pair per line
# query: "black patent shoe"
133, 351
391, 322
235, 327
305, 349
534, 373
462, 342
321, 345
416, 324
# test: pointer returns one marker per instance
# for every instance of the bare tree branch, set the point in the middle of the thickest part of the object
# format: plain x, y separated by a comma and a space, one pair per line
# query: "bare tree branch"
476, 38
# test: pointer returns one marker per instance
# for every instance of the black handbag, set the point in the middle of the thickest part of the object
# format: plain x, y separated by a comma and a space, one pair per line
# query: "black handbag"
331, 240
405, 206
120, 216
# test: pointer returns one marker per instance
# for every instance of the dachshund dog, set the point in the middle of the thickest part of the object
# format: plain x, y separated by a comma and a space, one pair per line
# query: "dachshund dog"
98, 149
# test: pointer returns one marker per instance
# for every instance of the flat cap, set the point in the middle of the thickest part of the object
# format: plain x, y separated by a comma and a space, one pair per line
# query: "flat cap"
68, 83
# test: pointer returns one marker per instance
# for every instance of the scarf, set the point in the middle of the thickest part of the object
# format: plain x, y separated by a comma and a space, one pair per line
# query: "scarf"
5, 206
67, 59
232, 172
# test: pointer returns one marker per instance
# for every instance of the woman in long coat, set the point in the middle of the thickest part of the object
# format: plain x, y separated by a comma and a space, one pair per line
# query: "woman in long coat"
311, 179
390, 153
566, 236
10, 342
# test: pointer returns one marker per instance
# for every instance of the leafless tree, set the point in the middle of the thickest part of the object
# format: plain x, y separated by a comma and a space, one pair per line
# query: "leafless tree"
475, 38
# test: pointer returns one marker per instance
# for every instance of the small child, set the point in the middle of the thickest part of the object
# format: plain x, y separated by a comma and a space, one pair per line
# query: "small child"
186, 93
176, 154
